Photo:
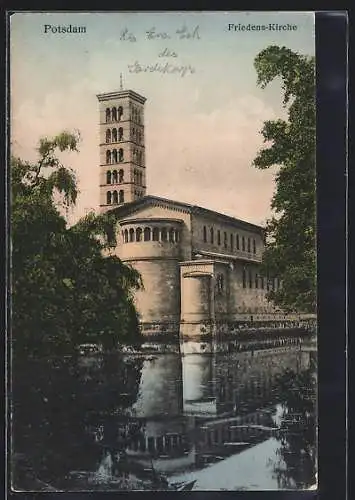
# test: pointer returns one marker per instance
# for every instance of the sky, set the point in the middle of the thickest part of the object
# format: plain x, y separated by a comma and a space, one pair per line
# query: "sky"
202, 128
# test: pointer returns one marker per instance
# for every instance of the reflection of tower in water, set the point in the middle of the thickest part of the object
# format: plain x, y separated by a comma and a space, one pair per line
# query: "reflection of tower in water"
159, 406
222, 384
199, 394
159, 394
232, 397
199, 404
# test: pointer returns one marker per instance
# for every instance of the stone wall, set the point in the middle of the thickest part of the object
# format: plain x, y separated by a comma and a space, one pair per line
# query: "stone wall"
246, 300
160, 299
179, 283
231, 237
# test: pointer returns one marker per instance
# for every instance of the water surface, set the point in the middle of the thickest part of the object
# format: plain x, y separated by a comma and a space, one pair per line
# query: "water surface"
227, 418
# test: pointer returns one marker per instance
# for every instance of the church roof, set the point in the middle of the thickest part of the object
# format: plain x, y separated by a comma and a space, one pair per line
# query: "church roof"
134, 206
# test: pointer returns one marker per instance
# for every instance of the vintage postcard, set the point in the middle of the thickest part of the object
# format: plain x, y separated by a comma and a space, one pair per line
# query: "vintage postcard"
163, 251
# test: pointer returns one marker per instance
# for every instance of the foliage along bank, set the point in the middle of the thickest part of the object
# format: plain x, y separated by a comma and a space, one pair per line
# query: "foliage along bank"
66, 287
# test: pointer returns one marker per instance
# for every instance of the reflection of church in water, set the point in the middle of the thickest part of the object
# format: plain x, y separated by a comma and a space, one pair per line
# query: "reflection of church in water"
196, 406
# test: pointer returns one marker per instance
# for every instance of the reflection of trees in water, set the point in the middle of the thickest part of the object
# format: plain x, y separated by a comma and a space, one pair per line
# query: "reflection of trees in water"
57, 406
296, 467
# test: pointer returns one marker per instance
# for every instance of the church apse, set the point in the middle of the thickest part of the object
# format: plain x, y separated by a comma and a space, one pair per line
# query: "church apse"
153, 247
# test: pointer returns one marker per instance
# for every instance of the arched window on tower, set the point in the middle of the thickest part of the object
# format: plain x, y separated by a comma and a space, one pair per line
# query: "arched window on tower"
114, 114
244, 278
237, 241
225, 240
120, 134
219, 237
114, 156
108, 135
131, 234
139, 137
108, 115
120, 113
114, 177
138, 234
108, 177
120, 154
232, 241
211, 235
177, 236
249, 248
171, 235
250, 279
254, 246
155, 234
108, 198
141, 157
115, 197
121, 196
120, 175
108, 157
147, 234
114, 135
204, 234
125, 236
243, 243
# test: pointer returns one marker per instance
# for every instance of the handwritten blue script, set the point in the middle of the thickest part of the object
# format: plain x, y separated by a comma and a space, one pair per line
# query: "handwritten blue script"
163, 68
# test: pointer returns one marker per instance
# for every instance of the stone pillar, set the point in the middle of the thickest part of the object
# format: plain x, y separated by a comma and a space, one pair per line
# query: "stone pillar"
196, 298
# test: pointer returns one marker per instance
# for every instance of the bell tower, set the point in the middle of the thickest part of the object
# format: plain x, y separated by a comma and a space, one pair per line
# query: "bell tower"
122, 152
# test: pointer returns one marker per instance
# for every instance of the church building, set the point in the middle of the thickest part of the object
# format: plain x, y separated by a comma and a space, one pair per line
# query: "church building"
199, 267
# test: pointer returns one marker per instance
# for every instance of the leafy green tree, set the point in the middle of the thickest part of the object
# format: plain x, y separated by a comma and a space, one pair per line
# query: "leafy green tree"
65, 288
290, 250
